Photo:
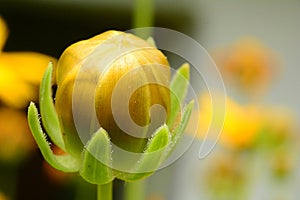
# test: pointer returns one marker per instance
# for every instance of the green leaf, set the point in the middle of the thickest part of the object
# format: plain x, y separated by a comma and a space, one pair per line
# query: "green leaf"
96, 156
65, 163
178, 88
159, 140
48, 112
152, 157
179, 130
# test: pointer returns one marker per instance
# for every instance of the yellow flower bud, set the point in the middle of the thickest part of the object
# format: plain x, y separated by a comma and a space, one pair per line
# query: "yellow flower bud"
143, 65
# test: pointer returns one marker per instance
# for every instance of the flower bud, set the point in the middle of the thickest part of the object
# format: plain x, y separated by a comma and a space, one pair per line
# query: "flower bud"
125, 76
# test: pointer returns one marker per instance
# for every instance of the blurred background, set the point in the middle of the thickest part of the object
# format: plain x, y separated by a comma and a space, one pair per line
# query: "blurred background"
256, 47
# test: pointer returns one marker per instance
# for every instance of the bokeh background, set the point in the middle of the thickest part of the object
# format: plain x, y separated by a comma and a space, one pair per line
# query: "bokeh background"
256, 46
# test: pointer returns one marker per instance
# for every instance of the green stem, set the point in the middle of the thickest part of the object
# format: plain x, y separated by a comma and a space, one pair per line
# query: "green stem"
143, 16
104, 192
135, 190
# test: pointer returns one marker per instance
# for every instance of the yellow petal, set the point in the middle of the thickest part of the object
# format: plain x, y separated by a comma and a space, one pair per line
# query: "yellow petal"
129, 53
20, 75
75, 54
29, 66
13, 91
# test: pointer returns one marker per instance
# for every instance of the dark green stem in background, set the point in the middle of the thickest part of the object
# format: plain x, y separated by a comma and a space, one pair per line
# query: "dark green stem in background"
143, 16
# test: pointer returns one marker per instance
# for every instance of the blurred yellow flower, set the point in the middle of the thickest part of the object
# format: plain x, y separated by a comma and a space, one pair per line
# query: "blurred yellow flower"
15, 135
248, 64
225, 176
20, 75
3, 33
240, 127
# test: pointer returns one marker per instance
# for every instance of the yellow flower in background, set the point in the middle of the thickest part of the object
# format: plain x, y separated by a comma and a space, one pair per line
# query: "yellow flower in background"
20, 75
241, 124
247, 64
3, 33
14, 134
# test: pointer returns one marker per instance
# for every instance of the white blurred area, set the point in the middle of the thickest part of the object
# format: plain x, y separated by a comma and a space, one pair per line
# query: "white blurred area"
275, 23
220, 23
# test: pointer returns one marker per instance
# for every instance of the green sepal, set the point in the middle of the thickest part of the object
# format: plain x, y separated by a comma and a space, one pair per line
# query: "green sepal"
151, 41
64, 163
179, 130
152, 157
48, 112
178, 89
95, 158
